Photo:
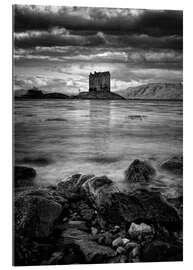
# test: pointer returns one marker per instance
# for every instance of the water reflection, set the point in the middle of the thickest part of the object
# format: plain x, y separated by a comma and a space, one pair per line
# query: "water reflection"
99, 137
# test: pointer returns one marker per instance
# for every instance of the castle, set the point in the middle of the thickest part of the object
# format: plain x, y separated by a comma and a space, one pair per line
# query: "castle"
99, 82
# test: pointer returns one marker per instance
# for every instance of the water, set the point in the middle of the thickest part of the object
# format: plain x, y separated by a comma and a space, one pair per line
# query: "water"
62, 137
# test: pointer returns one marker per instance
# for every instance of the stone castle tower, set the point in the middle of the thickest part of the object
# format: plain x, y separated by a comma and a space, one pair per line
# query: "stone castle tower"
99, 81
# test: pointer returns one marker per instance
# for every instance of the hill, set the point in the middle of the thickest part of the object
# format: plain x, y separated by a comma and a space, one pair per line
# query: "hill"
38, 94
155, 91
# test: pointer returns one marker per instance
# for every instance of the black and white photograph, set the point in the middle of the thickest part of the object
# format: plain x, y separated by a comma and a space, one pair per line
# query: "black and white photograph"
97, 135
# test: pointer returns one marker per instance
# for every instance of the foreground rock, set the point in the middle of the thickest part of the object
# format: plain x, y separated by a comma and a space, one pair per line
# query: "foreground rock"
140, 205
35, 215
70, 187
114, 207
86, 219
23, 176
174, 165
140, 231
139, 171
158, 251
91, 251
98, 190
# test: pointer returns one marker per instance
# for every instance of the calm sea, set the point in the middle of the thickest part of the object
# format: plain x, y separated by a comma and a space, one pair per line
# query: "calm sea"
62, 137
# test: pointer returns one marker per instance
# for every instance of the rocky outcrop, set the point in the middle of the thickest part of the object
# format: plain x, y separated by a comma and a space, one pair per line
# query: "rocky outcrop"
71, 186
86, 219
139, 171
173, 164
23, 176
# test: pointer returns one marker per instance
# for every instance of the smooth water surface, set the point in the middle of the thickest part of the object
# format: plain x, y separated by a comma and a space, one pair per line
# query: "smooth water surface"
62, 137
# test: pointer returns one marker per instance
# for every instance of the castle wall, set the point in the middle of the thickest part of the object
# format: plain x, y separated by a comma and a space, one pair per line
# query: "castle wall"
99, 81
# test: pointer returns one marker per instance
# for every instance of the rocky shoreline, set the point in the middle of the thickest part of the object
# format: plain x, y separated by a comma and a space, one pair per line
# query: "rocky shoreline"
85, 219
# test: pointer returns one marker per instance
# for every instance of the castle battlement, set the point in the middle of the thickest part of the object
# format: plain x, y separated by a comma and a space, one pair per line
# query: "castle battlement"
99, 81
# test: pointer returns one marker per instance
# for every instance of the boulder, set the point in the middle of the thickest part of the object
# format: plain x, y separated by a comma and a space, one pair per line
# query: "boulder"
97, 190
140, 231
142, 205
23, 176
173, 165
70, 187
35, 216
158, 251
139, 171
46, 193
91, 251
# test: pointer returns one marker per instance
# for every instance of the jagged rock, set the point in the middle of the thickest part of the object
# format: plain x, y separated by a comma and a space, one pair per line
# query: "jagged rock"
158, 251
140, 231
173, 164
35, 215
141, 205
70, 187
139, 171
23, 176
98, 190
91, 251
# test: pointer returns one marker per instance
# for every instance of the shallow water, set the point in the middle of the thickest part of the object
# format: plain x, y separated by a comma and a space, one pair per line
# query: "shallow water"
62, 137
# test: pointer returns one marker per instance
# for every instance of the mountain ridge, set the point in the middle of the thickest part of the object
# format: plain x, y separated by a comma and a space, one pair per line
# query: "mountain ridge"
154, 91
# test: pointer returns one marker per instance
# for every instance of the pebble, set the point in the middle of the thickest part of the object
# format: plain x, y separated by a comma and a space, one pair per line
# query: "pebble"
94, 231
138, 231
125, 241
65, 219
115, 229
101, 240
130, 245
117, 242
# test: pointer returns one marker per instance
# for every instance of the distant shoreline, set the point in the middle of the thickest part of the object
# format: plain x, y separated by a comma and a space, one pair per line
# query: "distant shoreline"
71, 98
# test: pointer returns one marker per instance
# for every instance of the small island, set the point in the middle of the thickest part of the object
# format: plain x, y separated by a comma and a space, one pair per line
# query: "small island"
99, 88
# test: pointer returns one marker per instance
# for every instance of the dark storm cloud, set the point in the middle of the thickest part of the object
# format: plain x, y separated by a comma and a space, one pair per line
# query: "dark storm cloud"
62, 26
154, 22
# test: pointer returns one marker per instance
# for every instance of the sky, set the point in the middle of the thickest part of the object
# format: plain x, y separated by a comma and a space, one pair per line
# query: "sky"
56, 47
